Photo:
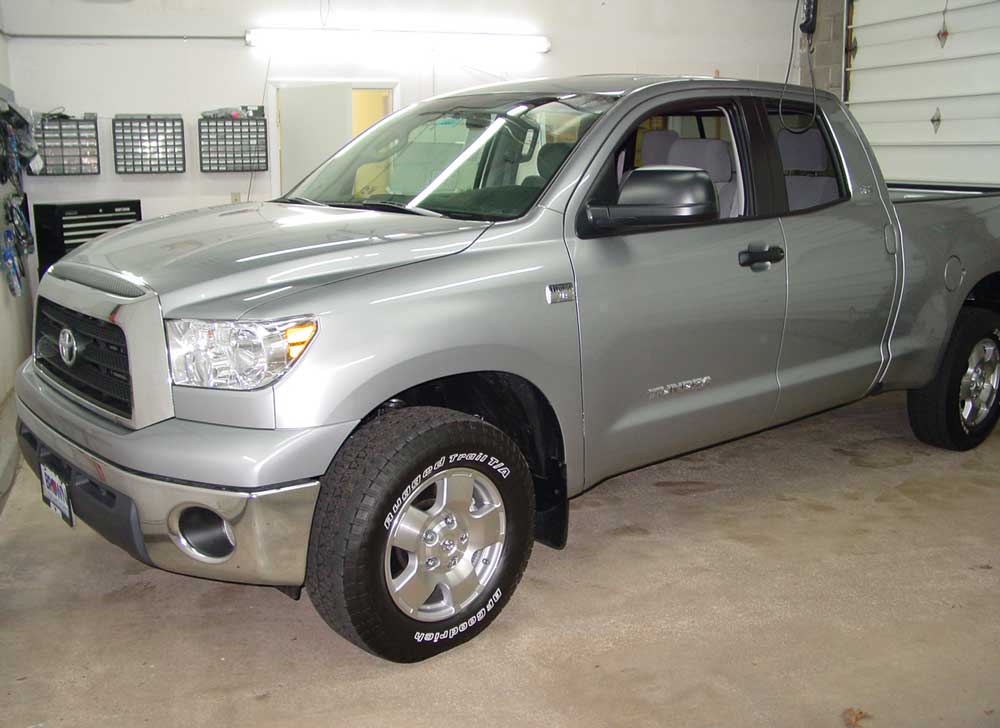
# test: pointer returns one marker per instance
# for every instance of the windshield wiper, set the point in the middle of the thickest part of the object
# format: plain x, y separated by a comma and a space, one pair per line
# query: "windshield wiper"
299, 200
398, 207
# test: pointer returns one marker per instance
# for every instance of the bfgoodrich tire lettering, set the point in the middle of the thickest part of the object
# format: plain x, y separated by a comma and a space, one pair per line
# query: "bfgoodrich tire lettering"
940, 413
379, 470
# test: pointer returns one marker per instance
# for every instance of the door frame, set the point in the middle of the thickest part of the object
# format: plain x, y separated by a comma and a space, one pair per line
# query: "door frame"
757, 173
271, 111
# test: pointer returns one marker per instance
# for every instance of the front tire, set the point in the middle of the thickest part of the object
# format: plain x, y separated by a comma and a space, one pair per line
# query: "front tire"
959, 408
422, 529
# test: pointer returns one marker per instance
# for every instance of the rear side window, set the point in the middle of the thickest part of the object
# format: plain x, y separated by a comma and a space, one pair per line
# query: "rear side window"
812, 174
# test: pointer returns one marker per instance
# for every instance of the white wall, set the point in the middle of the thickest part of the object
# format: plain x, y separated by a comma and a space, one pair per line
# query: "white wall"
745, 39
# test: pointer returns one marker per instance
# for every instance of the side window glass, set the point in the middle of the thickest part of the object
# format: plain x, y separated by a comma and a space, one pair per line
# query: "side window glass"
699, 138
812, 178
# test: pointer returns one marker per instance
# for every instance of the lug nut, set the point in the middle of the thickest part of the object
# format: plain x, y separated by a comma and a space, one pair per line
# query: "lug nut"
464, 538
452, 561
432, 562
429, 537
449, 521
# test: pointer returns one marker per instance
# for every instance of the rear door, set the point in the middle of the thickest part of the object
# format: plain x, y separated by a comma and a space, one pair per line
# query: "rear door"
679, 341
840, 254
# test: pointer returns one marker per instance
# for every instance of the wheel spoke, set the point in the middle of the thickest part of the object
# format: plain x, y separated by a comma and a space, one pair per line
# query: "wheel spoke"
462, 582
976, 356
454, 493
966, 408
485, 528
409, 527
414, 585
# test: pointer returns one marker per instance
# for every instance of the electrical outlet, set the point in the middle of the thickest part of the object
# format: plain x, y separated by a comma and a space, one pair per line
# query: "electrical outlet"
234, 196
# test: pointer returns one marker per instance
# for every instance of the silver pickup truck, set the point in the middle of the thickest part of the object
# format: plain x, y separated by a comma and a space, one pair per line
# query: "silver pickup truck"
386, 385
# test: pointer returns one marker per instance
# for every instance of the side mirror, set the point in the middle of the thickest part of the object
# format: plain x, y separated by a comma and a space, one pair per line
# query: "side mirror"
659, 195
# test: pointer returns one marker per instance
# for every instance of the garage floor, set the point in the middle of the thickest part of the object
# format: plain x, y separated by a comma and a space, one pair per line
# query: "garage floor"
778, 580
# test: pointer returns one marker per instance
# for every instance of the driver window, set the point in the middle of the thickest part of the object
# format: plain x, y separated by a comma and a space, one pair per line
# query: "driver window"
428, 150
559, 134
701, 138
525, 157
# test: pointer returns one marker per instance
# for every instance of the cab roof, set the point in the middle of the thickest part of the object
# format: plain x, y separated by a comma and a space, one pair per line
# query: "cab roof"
614, 85
603, 84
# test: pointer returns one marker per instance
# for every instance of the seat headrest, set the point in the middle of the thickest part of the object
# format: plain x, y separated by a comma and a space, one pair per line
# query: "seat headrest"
655, 148
804, 152
711, 155
551, 156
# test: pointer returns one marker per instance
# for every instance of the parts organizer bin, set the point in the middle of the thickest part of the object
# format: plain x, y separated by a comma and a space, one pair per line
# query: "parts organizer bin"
148, 144
68, 146
233, 145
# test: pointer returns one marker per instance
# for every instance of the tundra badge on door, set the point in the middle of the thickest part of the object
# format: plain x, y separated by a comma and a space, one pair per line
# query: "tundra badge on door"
688, 385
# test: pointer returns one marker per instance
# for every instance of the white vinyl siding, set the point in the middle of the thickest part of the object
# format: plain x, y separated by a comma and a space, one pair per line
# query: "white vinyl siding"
901, 76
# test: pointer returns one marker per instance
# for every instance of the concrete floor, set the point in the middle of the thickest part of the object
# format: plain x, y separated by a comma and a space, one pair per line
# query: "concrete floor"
778, 580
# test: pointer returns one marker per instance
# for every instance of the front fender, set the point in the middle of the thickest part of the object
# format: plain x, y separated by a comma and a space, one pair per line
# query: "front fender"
481, 310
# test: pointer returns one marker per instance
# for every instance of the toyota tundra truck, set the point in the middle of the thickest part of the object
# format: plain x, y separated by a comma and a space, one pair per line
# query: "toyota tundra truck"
385, 386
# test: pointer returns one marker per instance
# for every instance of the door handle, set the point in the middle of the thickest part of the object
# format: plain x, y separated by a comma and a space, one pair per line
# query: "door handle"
760, 258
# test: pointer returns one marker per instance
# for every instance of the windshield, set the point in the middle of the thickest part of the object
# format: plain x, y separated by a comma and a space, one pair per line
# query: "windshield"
482, 157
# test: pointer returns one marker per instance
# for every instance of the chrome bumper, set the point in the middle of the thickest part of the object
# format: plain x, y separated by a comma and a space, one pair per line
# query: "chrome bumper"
269, 528
263, 483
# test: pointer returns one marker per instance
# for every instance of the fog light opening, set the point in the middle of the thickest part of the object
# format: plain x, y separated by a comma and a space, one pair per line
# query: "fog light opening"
205, 533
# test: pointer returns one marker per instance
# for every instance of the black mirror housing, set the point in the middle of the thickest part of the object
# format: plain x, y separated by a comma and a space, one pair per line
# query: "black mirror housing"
659, 195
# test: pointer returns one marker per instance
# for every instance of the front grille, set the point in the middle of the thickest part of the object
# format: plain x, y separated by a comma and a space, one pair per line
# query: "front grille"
100, 372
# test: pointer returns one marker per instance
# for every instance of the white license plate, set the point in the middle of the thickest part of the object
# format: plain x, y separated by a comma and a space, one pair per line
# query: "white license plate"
56, 495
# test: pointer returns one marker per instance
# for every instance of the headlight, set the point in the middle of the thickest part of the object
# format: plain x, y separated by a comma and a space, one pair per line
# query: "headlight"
235, 354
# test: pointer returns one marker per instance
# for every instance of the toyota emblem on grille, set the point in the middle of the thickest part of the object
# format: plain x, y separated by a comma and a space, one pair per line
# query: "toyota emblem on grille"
67, 347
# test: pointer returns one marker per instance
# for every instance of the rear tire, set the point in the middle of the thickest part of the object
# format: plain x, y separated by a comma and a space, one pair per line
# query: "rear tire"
417, 499
959, 408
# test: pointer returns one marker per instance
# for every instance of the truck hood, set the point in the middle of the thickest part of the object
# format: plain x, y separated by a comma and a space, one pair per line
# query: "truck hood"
225, 260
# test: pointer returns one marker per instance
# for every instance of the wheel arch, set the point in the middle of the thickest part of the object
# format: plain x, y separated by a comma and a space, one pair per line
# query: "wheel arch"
521, 410
919, 346
985, 293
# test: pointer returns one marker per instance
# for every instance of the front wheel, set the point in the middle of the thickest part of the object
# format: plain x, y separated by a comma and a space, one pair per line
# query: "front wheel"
959, 408
422, 529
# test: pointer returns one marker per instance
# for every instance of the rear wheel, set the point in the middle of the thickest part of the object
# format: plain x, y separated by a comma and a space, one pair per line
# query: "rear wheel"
422, 529
959, 408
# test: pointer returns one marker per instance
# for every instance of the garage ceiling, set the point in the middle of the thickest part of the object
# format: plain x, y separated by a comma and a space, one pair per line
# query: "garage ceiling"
924, 82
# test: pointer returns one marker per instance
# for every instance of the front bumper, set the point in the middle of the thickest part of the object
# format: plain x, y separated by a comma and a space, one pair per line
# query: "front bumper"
268, 524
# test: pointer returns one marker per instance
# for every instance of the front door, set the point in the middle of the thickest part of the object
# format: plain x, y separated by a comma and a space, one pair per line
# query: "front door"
680, 341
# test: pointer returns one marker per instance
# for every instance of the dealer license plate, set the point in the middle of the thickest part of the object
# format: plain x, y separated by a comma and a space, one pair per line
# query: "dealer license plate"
55, 494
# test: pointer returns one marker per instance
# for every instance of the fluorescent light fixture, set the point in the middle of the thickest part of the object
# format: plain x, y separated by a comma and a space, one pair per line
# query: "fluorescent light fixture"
345, 41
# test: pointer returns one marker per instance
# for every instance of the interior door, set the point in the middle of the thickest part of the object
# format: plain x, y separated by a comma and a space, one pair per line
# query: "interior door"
314, 121
679, 340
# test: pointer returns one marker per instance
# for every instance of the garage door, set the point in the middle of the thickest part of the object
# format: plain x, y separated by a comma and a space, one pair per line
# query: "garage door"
924, 82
